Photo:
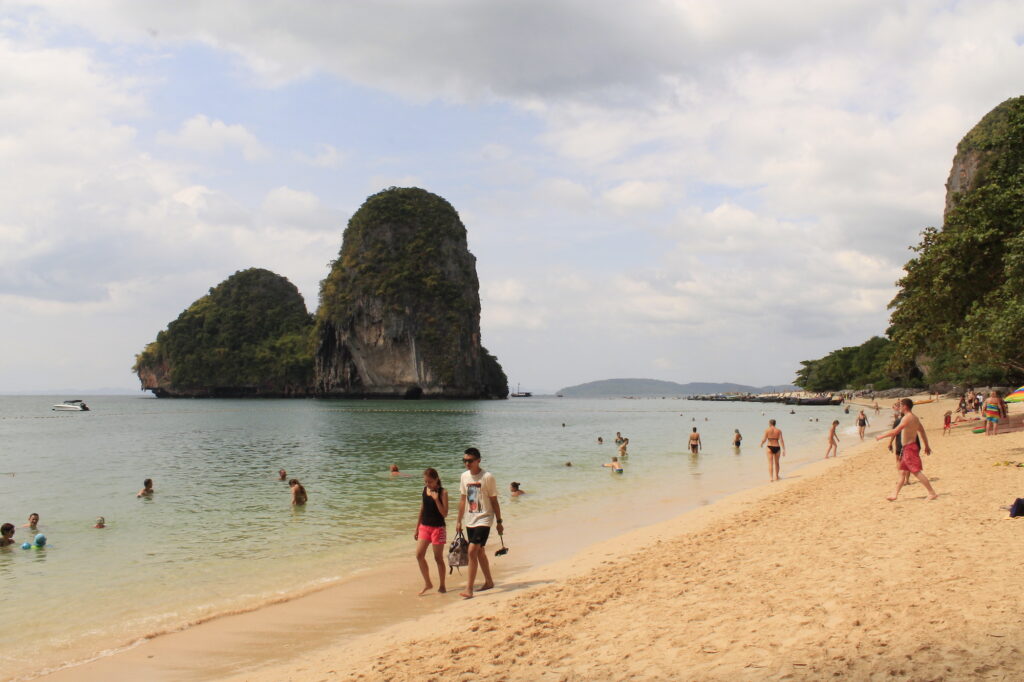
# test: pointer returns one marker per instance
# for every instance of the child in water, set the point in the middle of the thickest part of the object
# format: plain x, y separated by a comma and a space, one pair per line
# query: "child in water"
33, 522
100, 522
6, 534
833, 441
614, 465
147, 488
514, 490
299, 496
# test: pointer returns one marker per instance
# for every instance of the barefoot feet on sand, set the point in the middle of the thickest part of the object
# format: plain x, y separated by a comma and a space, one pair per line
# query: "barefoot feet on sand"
466, 595
486, 586
426, 588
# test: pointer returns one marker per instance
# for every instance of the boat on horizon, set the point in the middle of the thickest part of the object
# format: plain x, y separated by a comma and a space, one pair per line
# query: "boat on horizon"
520, 394
71, 406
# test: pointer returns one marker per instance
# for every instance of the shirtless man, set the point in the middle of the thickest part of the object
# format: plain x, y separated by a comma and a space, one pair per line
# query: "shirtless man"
776, 445
624, 448
911, 429
695, 444
833, 441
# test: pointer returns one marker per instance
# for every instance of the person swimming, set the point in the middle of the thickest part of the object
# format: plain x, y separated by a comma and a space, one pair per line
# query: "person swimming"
6, 534
514, 489
100, 522
600, 441
282, 475
299, 496
147, 488
33, 521
737, 438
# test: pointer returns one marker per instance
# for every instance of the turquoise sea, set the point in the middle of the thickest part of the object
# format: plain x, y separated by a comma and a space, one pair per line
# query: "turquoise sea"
219, 534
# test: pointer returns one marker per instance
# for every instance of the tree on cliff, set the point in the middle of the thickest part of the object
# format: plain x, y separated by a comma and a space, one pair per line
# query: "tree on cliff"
249, 335
960, 309
399, 312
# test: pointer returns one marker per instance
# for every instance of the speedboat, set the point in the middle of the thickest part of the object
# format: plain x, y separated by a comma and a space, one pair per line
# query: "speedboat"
71, 406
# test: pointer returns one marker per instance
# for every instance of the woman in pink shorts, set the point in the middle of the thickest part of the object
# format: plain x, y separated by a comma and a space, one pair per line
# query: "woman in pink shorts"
430, 528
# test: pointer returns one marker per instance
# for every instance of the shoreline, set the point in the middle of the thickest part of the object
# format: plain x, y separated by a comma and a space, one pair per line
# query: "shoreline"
815, 577
315, 611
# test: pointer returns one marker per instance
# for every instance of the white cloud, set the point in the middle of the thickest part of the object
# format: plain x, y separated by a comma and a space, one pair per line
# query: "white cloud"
201, 134
637, 195
327, 156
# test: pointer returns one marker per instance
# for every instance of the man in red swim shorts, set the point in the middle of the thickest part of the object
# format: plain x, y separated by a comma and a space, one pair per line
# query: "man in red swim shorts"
910, 460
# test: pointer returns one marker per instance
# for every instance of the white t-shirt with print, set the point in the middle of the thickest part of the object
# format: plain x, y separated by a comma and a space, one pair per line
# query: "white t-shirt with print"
478, 490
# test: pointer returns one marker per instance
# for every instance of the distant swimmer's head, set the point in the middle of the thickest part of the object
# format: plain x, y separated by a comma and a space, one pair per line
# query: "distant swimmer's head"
100, 522
771, 422
33, 519
394, 469
7, 531
282, 474
568, 464
431, 478
148, 484
40, 540
514, 486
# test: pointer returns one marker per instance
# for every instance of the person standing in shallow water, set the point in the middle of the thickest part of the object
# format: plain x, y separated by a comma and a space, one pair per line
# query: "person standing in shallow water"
478, 506
147, 488
776, 447
430, 528
833, 441
299, 496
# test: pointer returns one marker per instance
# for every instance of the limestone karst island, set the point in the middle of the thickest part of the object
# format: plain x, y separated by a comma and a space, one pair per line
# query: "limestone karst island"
399, 317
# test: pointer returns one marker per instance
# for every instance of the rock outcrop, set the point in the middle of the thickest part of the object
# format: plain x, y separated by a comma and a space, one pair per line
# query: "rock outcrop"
985, 143
399, 312
250, 336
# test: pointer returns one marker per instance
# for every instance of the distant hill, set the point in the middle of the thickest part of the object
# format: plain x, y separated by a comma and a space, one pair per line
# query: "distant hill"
614, 388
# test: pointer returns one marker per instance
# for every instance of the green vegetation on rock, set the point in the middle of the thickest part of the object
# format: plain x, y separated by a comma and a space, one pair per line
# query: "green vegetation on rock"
852, 367
251, 335
959, 312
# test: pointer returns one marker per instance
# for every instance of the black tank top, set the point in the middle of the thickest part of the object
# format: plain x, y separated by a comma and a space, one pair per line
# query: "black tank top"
431, 514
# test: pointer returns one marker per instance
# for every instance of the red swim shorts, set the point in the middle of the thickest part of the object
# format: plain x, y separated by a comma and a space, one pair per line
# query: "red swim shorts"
436, 534
910, 460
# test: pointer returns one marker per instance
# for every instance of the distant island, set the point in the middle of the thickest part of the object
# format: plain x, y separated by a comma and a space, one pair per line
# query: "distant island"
399, 317
647, 388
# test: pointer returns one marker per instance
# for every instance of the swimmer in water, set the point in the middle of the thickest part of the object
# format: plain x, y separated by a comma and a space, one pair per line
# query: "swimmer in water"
737, 439
299, 496
624, 448
147, 488
6, 534
282, 475
833, 441
33, 521
618, 437
568, 464
600, 441
614, 465
514, 489
100, 522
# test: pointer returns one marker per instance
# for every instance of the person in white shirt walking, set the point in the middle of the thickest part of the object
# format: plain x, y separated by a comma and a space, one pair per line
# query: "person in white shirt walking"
478, 506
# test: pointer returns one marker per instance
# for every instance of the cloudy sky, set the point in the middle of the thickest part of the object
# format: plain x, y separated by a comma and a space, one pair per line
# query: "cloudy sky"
688, 190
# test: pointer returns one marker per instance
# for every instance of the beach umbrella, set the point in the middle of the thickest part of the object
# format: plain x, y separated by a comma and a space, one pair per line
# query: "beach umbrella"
1016, 397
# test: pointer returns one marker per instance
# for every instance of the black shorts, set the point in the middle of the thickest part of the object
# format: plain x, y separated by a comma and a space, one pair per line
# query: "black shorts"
774, 449
477, 535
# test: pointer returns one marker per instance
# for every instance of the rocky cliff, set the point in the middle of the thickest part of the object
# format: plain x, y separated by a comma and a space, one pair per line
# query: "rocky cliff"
249, 336
399, 312
987, 142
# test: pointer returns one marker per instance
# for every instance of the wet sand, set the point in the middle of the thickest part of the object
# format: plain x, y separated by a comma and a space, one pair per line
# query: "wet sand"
816, 576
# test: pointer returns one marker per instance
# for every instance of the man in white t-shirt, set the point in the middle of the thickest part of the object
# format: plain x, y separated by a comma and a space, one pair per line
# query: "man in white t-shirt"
478, 505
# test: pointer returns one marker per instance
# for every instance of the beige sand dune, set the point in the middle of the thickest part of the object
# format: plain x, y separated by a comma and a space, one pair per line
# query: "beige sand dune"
816, 577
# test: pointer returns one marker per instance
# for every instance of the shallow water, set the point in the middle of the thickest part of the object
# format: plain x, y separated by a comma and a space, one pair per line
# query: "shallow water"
219, 534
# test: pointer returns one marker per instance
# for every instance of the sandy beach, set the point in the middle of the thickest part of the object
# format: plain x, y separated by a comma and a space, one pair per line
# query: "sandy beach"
816, 576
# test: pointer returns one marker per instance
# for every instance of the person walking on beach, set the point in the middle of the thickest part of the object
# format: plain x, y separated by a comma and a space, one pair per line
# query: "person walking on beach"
833, 440
862, 422
478, 506
910, 459
299, 496
695, 444
776, 447
430, 528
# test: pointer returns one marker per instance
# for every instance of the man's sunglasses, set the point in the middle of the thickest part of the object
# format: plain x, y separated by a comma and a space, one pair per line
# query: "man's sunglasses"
467, 461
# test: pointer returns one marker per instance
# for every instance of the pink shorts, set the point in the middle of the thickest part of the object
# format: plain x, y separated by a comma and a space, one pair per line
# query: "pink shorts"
910, 459
435, 534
